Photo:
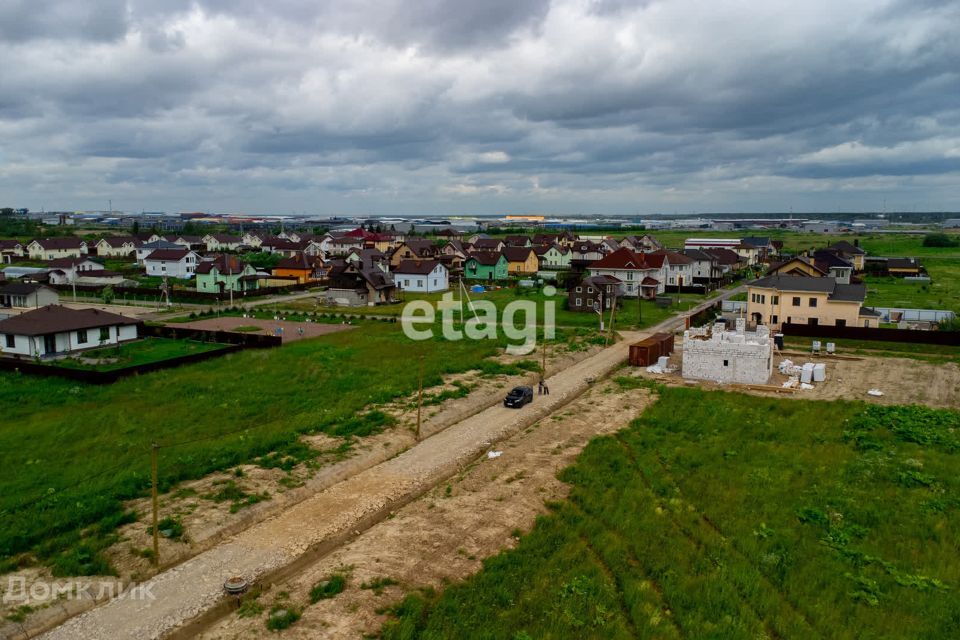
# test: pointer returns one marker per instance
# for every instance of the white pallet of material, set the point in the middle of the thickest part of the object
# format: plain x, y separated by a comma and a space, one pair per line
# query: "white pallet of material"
819, 372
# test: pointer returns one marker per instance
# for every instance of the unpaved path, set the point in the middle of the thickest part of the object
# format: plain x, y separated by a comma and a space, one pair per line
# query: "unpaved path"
191, 593
319, 524
444, 535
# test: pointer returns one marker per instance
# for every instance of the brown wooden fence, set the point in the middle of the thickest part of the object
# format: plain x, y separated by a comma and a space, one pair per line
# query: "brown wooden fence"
949, 338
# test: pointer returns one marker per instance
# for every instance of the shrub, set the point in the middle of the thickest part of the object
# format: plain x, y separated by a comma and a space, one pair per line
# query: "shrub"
281, 617
328, 588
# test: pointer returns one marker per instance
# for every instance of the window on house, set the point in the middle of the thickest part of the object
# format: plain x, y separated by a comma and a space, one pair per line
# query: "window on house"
812, 322
104, 333
578, 290
773, 319
578, 302
841, 322
726, 363
813, 302
763, 299
589, 289
81, 336
11, 341
796, 301
775, 299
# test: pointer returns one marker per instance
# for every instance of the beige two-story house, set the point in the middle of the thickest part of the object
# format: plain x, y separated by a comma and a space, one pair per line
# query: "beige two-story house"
777, 299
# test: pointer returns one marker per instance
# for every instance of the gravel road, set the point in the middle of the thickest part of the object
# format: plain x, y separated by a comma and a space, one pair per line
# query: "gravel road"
192, 592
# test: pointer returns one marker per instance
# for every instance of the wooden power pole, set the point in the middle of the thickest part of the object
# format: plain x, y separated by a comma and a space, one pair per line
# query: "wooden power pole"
154, 448
419, 397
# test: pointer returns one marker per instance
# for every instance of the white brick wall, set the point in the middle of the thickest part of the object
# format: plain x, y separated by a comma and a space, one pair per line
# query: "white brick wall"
728, 356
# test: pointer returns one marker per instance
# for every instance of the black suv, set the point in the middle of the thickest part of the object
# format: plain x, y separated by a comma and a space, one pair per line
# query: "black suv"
518, 397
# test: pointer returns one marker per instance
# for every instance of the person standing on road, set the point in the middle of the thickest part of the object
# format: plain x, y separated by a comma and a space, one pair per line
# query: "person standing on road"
540, 388
546, 389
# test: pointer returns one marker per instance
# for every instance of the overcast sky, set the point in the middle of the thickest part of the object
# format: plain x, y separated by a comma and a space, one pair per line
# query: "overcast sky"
493, 106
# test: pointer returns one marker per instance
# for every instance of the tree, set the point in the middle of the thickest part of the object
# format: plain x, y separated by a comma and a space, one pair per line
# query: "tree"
939, 240
107, 294
6, 211
136, 227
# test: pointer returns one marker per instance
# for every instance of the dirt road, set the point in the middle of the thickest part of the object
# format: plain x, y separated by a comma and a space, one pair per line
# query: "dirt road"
444, 535
295, 538
192, 592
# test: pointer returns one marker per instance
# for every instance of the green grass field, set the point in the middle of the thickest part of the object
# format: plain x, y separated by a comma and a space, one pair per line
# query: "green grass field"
143, 351
628, 315
718, 515
71, 453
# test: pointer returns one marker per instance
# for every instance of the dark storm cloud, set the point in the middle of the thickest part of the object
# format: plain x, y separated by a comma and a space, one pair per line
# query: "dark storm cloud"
485, 105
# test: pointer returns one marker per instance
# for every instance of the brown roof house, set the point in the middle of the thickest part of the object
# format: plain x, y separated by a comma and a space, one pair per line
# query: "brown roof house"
55, 331
27, 295
594, 293
356, 285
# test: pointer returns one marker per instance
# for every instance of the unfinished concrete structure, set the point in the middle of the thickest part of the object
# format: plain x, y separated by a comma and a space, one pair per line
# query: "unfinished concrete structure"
713, 353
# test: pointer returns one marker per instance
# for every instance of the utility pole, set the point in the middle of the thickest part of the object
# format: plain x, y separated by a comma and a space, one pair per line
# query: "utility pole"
613, 315
639, 306
419, 396
154, 448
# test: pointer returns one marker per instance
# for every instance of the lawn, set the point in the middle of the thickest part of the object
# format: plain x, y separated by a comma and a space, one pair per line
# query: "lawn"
942, 293
142, 351
71, 453
718, 515
628, 315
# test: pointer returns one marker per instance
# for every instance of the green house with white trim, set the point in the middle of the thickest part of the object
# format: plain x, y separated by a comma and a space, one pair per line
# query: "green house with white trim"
226, 273
485, 265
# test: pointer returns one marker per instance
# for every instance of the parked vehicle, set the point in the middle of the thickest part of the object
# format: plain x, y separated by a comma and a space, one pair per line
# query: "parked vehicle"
518, 397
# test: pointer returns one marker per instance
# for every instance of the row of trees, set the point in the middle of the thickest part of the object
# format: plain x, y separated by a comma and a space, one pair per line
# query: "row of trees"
10, 211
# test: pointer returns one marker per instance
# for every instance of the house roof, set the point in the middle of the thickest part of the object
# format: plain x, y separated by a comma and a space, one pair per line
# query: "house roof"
850, 292
191, 239
723, 256
756, 241
9, 244
796, 283
827, 259
813, 284
168, 254
118, 241
224, 264
517, 254
486, 258
778, 265
297, 261
160, 244
903, 263
698, 255
61, 263
516, 241
845, 247
224, 238
625, 260
601, 280
487, 244
649, 282
21, 288
416, 267
56, 319
673, 257
60, 243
